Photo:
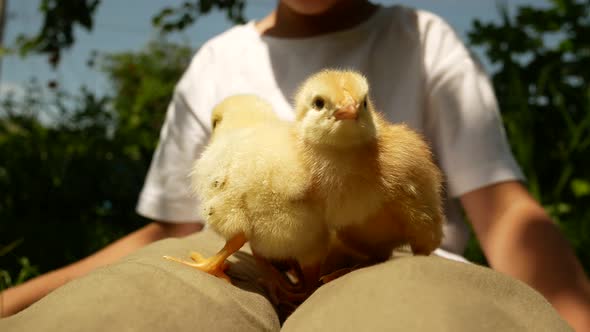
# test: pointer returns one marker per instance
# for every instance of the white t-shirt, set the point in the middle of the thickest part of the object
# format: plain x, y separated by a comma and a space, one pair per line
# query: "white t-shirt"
419, 71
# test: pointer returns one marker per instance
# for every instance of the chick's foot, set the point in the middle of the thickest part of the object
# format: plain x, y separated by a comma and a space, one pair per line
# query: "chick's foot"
207, 265
215, 265
287, 285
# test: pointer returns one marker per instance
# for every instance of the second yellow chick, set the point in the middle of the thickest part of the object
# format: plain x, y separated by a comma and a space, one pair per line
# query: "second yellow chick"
378, 180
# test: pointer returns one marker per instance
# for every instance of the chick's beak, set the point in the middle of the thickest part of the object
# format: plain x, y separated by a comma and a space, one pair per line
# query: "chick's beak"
347, 112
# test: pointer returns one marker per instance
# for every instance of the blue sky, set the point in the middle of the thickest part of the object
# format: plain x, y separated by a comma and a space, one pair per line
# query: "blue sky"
123, 25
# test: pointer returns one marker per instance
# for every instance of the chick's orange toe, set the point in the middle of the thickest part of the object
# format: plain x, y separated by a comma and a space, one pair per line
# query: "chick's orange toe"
208, 265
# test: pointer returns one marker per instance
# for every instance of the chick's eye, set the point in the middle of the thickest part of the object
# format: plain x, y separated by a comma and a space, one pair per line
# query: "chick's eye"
365, 103
318, 103
215, 122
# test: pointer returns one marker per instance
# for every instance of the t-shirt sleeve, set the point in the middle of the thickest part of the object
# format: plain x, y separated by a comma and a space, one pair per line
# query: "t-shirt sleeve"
462, 117
166, 194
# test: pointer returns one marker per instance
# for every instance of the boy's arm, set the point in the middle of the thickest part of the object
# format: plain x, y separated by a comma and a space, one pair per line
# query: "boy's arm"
15, 299
521, 240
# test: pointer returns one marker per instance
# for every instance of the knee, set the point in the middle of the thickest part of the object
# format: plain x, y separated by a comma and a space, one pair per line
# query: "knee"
424, 294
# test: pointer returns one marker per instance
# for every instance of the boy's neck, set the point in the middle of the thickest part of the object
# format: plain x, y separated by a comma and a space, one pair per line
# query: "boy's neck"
286, 23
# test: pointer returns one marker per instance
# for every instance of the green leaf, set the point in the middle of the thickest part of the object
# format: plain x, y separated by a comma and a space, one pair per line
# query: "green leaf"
558, 209
10, 247
580, 188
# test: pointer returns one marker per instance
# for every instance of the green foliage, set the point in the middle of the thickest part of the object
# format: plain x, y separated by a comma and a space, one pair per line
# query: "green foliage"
25, 272
543, 61
143, 84
61, 17
57, 31
170, 19
75, 164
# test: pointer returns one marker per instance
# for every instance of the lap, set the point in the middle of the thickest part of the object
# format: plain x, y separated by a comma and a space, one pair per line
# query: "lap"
425, 294
146, 292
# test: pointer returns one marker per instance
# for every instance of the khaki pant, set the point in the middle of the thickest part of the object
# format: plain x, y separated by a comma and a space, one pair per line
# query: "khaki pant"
144, 292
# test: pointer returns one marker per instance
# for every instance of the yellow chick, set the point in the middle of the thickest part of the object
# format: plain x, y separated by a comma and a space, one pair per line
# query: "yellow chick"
240, 111
378, 181
254, 186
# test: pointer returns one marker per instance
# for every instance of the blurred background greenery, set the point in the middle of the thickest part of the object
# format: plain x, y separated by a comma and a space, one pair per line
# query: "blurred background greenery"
72, 164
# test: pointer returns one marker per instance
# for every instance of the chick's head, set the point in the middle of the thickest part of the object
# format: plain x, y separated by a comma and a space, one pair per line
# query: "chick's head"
240, 111
333, 108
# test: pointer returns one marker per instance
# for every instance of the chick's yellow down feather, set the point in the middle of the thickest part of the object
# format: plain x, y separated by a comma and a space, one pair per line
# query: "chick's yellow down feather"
378, 181
240, 111
253, 186
251, 182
